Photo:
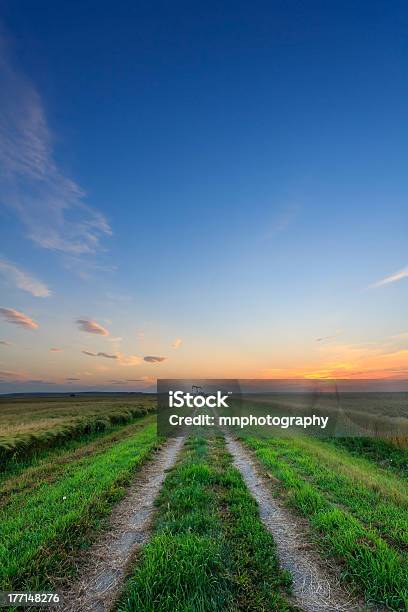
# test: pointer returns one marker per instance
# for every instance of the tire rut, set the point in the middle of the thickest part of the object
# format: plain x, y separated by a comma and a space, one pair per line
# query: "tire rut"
107, 560
315, 589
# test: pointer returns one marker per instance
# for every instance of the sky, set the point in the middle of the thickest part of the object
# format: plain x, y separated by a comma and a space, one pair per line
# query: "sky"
202, 190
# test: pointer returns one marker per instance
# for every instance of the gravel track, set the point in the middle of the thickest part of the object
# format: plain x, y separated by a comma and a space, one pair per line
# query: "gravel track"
315, 587
107, 560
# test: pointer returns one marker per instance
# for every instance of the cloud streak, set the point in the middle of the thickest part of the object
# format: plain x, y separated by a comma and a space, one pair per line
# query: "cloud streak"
129, 360
23, 280
91, 327
18, 318
100, 354
331, 337
125, 360
392, 278
7, 376
177, 343
50, 205
154, 359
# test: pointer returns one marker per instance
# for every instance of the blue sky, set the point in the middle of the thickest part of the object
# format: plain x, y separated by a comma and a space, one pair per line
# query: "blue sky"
227, 177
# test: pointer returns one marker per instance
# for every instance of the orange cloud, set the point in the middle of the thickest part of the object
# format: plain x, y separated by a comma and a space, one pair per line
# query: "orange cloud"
18, 318
91, 327
349, 361
177, 343
128, 360
56, 350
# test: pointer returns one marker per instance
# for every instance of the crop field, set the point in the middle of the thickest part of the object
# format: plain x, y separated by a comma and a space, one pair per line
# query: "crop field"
205, 522
30, 424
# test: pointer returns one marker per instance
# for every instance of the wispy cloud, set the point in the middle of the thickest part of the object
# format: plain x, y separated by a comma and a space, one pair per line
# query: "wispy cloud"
392, 278
85, 268
51, 206
18, 318
70, 379
146, 380
126, 381
154, 359
126, 360
100, 354
401, 336
7, 376
23, 280
91, 327
327, 338
55, 349
5, 343
177, 343
129, 360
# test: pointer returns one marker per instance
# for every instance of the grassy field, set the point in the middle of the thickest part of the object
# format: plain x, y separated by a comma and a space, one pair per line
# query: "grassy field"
31, 424
386, 454
66, 461
52, 503
383, 416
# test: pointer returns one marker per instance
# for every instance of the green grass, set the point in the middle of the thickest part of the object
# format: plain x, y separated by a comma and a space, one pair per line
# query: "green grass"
50, 464
354, 512
28, 426
209, 551
384, 453
42, 527
379, 500
65, 461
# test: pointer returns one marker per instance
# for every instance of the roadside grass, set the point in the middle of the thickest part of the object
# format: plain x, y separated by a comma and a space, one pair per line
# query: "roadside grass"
42, 529
384, 453
209, 551
48, 465
28, 426
342, 514
379, 500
